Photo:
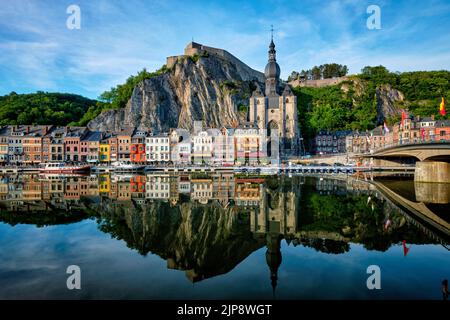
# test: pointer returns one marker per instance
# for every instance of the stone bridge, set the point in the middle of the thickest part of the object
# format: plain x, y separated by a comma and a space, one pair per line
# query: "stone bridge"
432, 160
433, 151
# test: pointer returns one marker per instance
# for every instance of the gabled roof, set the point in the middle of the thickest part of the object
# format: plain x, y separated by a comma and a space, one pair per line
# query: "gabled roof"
93, 136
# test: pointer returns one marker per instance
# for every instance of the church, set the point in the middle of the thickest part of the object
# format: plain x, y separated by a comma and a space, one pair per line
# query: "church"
275, 109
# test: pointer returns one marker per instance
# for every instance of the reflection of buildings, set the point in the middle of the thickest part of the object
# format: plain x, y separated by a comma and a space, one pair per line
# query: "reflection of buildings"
206, 225
201, 189
158, 187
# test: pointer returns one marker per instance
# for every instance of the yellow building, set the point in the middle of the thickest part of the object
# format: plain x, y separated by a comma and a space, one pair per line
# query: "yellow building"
104, 183
104, 154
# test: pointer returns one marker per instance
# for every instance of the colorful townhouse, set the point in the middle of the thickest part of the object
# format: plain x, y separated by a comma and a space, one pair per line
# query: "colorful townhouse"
92, 138
53, 145
223, 146
104, 151
250, 146
124, 144
72, 143
201, 148
180, 146
157, 148
4, 137
427, 128
32, 144
111, 139
442, 130
137, 150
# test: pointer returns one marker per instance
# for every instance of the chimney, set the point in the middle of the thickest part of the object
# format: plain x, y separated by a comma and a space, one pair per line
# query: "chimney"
28, 129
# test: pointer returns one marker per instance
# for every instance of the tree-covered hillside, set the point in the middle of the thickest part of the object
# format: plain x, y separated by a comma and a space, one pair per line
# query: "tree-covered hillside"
353, 104
43, 108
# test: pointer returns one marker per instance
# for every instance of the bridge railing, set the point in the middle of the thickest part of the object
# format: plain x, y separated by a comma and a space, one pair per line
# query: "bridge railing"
414, 142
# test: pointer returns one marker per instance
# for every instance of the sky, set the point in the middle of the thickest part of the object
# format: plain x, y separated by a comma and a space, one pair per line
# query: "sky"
116, 39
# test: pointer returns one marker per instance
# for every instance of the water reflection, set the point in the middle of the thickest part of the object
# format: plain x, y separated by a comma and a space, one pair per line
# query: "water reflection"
205, 225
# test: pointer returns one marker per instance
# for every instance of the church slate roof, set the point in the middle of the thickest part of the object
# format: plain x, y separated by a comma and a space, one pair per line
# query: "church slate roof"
287, 91
258, 91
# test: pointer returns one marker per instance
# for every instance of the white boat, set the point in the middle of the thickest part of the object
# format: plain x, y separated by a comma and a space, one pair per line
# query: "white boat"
59, 167
117, 167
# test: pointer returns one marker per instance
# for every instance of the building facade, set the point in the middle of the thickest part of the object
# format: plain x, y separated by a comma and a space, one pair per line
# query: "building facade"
157, 148
276, 110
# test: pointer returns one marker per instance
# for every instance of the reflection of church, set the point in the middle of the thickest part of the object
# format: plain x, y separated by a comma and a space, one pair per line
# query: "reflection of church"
276, 112
275, 218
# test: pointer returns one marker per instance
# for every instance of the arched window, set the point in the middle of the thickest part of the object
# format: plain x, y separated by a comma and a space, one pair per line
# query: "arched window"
287, 100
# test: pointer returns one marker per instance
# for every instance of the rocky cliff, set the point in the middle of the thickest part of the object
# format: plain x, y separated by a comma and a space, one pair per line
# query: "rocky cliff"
388, 100
206, 87
202, 240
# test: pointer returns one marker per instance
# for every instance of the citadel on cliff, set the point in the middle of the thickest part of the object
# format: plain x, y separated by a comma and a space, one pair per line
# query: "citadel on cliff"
273, 109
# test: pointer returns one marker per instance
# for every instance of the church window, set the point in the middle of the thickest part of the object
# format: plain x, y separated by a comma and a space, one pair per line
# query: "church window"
287, 100
258, 118
257, 101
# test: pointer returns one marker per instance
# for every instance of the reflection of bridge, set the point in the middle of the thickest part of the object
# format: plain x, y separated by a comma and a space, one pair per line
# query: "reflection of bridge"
432, 159
418, 208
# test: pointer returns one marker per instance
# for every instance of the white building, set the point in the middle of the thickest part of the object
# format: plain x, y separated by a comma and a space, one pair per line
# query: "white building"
202, 190
157, 148
180, 146
201, 148
223, 146
157, 187
250, 146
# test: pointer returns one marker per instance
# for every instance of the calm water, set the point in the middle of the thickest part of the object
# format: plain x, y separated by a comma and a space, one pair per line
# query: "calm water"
222, 237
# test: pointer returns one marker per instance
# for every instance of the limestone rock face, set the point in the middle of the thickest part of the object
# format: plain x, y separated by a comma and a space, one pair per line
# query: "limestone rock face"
206, 88
387, 98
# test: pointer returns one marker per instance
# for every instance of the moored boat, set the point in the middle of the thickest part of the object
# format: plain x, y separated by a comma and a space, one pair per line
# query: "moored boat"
59, 167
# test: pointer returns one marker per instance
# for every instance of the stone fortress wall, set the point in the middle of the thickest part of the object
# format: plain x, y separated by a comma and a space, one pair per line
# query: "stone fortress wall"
317, 83
196, 48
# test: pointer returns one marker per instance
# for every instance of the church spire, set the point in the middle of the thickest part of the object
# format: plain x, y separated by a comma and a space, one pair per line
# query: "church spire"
272, 70
272, 51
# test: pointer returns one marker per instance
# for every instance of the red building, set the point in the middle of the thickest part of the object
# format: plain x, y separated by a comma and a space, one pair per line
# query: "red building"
442, 130
72, 143
137, 150
137, 184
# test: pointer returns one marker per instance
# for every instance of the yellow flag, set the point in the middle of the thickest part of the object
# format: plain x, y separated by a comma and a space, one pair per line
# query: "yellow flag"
442, 107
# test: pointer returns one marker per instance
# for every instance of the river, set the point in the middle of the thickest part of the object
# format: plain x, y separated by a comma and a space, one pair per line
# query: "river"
222, 236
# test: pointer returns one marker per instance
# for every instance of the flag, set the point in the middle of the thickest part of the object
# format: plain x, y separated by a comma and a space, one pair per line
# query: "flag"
405, 248
403, 117
442, 107
422, 133
386, 129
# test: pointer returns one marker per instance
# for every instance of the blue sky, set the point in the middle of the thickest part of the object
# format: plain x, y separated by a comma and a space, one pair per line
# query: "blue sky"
118, 38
